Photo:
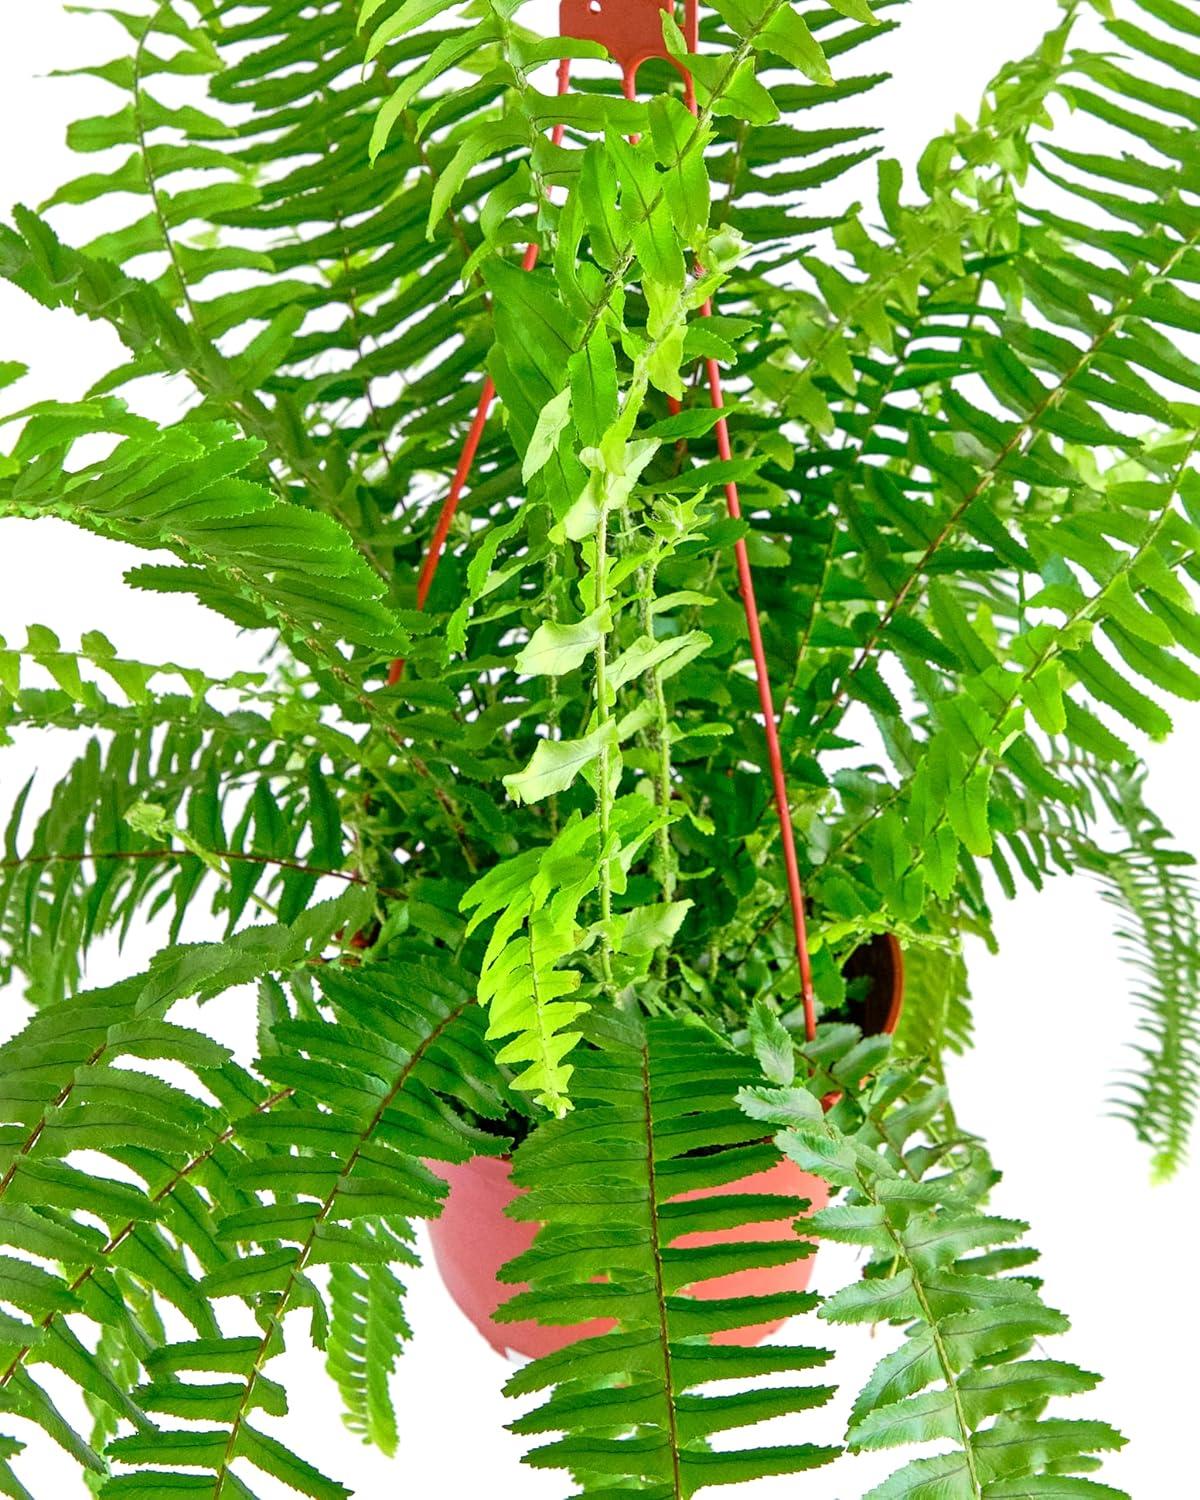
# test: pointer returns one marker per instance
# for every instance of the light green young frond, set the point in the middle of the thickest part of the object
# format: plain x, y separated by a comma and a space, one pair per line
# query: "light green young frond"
970, 1370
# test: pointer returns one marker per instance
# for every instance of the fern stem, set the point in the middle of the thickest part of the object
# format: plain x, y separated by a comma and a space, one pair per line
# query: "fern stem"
946, 1365
452, 218
660, 1295
1151, 883
840, 325
280, 617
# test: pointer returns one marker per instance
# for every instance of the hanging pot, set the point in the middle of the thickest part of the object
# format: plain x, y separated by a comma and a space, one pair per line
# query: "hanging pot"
474, 1237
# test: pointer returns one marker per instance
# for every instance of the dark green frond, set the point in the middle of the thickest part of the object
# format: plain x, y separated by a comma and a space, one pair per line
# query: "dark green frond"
619, 1186
333, 1180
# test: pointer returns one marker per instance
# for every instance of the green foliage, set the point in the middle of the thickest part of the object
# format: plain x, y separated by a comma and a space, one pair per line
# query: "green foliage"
87, 864
962, 423
71, 1084
353, 1103
334, 1180
619, 1186
258, 560
955, 1277
1151, 885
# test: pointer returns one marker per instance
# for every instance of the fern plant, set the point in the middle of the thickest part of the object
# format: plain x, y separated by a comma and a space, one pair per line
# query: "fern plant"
587, 736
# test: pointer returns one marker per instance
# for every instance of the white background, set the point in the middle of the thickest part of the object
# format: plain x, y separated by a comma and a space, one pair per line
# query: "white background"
1054, 1014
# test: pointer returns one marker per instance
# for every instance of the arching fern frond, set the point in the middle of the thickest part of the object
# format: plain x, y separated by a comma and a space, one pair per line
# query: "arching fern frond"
1151, 883
74, 1081
955, 1276
140, 683
338, 1175
174, 799
535, 899
619, 1186
535, 952
252, 557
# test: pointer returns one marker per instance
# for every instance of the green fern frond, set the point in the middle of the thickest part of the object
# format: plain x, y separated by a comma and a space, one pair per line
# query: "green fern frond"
618, 1185
520, 980
335, 1181
246, 554
69, 1087
957, 1279
1150, 883
81, 869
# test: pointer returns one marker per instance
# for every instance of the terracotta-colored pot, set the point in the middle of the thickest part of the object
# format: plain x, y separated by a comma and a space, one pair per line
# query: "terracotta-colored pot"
474, 1237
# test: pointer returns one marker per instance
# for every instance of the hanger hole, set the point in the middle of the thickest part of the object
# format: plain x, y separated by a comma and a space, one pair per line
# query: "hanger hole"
594, 6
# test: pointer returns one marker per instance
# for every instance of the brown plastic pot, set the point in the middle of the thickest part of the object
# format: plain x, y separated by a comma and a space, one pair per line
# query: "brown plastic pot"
474, 1237
882, 961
